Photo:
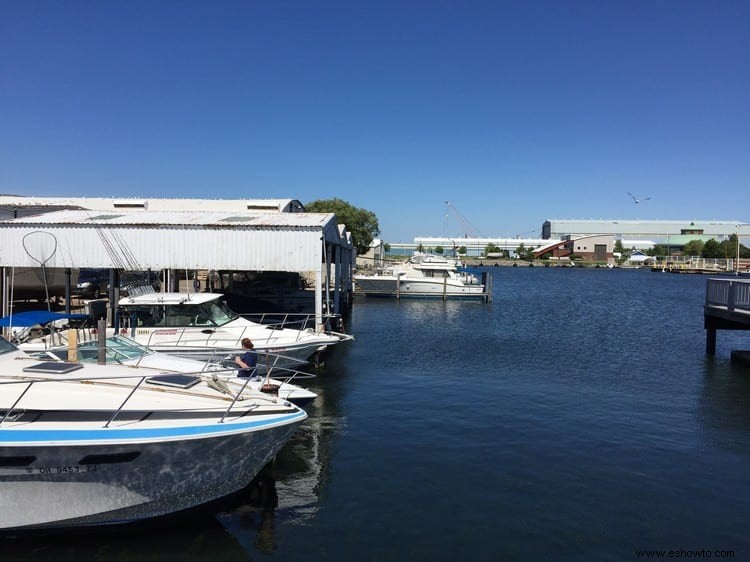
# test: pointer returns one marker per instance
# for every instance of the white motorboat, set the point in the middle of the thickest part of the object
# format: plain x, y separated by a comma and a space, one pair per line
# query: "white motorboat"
423, 275
126, 351
201, 325
84, 445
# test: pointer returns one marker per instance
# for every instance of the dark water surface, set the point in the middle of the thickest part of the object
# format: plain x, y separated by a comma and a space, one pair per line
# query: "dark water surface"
575, 418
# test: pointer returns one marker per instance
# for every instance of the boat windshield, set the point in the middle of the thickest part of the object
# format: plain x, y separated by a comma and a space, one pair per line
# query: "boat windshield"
218, 312
6, 346
118, 350
214, 313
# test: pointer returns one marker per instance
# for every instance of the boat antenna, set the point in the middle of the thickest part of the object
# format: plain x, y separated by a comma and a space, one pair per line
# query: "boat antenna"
41, 246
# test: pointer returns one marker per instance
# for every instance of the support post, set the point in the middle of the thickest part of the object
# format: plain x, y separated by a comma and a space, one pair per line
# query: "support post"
711, 341
72, 345
101, 337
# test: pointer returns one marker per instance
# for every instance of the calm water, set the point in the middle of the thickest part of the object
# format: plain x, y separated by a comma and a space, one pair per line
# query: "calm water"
575, 418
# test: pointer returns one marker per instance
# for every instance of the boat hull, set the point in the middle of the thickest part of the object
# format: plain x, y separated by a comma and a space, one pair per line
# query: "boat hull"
426, 288
70, 485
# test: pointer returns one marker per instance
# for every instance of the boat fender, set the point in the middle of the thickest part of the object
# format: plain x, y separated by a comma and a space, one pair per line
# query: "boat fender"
197, 284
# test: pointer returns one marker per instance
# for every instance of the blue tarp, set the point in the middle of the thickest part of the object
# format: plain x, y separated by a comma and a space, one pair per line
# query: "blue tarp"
34, 317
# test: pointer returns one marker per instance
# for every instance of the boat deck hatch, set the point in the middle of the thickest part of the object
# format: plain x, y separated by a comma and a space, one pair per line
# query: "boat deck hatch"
53, 367
176, 381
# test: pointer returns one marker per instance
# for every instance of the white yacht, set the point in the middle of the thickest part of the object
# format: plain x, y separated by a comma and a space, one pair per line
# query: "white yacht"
201, 326
86, 445
423, 275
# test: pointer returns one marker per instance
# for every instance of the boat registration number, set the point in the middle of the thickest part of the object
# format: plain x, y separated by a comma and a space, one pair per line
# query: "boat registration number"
70, 469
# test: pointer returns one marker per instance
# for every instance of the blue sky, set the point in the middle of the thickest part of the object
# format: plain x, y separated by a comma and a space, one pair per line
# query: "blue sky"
515, 112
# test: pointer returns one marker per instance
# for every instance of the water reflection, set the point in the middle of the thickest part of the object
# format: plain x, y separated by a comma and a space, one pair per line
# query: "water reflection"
724, 406
195, 539
288, 490
253, 515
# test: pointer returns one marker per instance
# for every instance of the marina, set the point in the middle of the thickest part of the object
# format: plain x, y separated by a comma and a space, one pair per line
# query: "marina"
540, 389
374, 281
581, 420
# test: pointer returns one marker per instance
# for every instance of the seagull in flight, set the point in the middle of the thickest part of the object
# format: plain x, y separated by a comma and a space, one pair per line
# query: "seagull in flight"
638, 200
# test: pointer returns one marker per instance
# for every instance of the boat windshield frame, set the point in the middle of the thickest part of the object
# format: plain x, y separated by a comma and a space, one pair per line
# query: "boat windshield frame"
211, 314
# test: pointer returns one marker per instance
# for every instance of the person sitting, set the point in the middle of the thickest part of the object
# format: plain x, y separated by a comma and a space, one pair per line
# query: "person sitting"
248, 361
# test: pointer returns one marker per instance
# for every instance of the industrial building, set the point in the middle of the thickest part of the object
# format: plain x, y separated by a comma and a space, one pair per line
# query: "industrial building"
632, 234
474, 246
674, 233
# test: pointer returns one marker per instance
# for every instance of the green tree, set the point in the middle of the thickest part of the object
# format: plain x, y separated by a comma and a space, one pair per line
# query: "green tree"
619, 247
693, 248
730, 248
361, 223
712, 249
659, 250
462, 250
528, 253
491, 249
439, 250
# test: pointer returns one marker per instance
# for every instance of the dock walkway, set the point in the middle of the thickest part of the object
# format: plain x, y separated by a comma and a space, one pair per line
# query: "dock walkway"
727, 307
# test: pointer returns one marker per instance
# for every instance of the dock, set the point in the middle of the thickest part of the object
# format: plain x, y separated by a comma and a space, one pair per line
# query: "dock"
727, 307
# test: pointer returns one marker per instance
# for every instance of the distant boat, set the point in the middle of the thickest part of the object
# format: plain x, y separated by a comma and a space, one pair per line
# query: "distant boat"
423, 275
86, 445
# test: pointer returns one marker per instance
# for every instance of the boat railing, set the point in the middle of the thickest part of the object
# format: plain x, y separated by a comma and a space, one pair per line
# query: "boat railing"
204, 336
295, 320
28, 384
732, 294
284, 375
55, 337
217, 355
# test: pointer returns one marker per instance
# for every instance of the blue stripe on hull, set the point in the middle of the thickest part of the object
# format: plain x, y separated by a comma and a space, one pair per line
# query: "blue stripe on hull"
70, 436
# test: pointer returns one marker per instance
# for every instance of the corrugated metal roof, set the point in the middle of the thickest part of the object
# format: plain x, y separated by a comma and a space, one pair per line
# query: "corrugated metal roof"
162, 240
185, 218
155, 204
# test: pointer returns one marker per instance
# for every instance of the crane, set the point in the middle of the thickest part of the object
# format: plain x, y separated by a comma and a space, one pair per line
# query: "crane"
469, 229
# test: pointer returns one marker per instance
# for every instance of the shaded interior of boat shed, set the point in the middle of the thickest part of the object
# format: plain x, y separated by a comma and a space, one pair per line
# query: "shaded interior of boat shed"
175, 242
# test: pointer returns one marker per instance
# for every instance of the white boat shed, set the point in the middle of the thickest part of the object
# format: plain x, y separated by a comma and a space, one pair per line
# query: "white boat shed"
169, 241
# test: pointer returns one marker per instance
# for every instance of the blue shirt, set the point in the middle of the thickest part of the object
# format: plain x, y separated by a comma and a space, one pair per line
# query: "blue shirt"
249, 358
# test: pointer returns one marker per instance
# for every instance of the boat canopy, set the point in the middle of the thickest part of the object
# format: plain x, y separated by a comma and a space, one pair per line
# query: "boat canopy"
34, 317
